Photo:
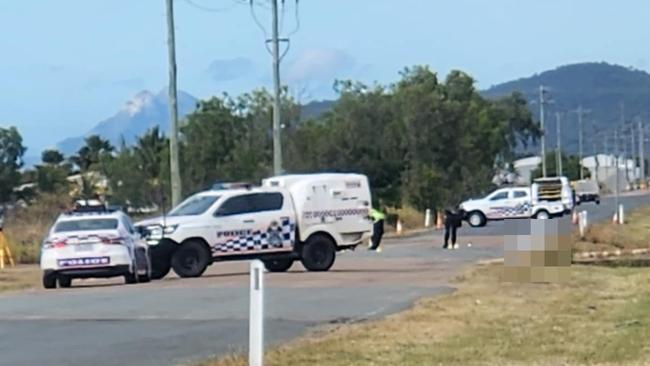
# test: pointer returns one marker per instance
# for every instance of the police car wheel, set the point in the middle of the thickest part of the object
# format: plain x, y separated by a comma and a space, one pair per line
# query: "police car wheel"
476, 219
160, 262
191, 259
49, 280
318, 253
278, 265
542, 215
65, 282
131, 279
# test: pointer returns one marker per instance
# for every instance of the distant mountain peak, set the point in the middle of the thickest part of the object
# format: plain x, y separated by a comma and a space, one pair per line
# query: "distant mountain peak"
140, 113
139, 102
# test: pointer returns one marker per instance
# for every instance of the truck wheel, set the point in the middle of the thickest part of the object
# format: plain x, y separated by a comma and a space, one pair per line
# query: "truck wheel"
143, 263
191, 259
476, 219
130, 279
64, 281
542, 215
49, 280
318, 253
160, 262
278, 265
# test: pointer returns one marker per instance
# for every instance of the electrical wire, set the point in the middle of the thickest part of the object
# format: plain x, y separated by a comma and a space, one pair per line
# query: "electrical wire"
257, 21
210, 9
297, 20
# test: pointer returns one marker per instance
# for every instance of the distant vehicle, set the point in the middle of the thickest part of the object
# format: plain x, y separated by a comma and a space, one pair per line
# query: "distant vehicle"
546, 198
587, 191
294, 217
93, 241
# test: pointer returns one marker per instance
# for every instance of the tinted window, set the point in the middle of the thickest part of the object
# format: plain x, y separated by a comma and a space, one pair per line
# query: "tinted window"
86, 225
267, 201
499, 196
194, 205
249, 203
236, 205
520, 194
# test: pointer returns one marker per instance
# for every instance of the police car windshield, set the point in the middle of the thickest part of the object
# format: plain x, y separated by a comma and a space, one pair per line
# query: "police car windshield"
194, 205
86, 225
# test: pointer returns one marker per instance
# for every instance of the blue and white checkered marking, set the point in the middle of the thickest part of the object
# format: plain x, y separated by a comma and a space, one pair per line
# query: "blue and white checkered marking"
509, 211
277, 236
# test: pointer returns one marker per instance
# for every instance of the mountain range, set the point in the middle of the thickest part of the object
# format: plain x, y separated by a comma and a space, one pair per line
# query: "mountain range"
600, 88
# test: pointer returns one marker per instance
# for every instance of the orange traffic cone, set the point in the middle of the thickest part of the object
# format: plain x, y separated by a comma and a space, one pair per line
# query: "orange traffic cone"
574, 217
439, 224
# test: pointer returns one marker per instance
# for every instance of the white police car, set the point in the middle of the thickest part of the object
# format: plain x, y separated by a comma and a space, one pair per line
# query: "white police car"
93, 242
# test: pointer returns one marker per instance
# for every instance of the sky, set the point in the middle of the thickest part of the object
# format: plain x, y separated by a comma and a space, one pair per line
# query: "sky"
66, 65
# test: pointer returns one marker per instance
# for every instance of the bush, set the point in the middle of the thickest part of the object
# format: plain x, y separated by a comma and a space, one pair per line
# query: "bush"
411, 218
25, 227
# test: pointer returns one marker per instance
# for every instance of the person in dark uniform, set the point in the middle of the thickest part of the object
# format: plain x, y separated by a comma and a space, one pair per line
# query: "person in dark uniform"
453, 220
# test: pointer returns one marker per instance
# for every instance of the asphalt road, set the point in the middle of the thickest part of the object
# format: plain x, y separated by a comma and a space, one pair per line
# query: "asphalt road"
172, 321
177, 321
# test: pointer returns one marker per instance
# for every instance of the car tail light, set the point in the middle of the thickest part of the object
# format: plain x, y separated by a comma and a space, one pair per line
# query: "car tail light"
57, 243
113, 240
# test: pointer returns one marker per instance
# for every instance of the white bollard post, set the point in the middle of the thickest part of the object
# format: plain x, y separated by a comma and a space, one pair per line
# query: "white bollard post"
427, 218
582, 224
621, 215
256, 317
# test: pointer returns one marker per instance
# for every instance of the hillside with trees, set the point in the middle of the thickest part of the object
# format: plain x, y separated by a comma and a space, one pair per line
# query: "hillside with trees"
600, 88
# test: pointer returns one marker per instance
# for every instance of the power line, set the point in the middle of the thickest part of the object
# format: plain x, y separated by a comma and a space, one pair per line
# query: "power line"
211, 9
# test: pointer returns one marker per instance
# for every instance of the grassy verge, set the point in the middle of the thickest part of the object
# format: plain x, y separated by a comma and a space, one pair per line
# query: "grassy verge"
607, 236
600, 317
19, 278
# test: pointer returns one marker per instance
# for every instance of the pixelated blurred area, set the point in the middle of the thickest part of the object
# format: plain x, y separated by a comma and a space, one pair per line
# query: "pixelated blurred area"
537, 251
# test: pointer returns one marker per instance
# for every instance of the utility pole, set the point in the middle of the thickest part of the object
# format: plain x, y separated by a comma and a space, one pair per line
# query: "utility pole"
633, 154
174, 167
277, 136
542, 101
641, 153
618, 190
580, 113
558, 151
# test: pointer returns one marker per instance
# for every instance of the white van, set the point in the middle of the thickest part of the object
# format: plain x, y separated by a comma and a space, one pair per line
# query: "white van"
293, 217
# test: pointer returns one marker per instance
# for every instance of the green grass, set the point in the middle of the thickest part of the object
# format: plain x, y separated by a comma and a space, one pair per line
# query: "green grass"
607, 236
600, 317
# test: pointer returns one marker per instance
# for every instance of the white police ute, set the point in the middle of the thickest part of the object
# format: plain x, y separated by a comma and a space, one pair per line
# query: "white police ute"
546, 198
294, 217
93, 241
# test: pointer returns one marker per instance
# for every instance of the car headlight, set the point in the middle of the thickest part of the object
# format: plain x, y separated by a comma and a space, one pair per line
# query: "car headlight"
169, 229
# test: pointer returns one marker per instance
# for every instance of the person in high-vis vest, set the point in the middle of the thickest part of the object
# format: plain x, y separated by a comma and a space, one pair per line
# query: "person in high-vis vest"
377, 218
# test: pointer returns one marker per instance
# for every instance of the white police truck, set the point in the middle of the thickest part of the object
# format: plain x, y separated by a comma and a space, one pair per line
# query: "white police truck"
546, 198
93, 241
288, 218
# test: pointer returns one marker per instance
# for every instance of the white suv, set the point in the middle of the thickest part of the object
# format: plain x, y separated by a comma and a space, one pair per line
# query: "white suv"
93, 243
300, 217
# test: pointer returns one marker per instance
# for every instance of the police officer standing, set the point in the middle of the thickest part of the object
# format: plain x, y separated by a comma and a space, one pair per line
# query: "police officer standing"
377, 218
453, 220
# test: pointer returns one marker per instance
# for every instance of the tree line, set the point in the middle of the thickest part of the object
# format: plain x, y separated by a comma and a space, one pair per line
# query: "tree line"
422, 142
